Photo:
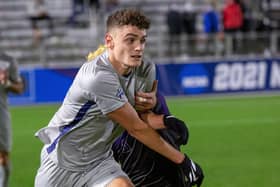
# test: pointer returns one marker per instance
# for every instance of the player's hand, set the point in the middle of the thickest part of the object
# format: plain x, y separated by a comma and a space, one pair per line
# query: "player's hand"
193, 172
146, 100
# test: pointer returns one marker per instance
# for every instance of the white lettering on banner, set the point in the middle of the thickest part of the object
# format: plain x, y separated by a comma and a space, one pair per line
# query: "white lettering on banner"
238, 76
195, 82
262, 74
275, 75
251, 70
221, 77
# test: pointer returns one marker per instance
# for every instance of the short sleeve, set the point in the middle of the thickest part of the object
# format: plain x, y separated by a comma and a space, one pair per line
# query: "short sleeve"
107, 92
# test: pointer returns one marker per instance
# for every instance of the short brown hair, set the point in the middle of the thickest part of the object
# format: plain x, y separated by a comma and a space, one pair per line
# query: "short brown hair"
128, 17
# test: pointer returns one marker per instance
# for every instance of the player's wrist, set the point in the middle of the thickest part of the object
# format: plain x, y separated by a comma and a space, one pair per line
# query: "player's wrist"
185, 161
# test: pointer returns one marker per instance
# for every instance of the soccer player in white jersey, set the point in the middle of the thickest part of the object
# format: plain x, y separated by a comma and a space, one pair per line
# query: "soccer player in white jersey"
98, 105
10, 81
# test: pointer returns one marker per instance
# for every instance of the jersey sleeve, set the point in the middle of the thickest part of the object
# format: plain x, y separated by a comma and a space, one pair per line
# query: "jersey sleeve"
107, 92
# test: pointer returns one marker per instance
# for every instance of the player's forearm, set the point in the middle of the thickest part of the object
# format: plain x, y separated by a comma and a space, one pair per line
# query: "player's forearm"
153, 140
154, 120
127, 117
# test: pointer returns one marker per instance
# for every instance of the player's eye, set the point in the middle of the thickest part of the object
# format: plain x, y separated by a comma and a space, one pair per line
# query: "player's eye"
143, 41
130, 40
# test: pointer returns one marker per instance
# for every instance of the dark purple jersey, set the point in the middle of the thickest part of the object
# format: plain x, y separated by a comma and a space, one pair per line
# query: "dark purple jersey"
145, 167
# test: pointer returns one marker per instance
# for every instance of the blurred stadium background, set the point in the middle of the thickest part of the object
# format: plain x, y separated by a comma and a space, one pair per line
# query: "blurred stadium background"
225, 86
70, 44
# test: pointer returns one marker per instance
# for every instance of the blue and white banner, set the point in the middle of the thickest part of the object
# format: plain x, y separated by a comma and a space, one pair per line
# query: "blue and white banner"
219, 77
44, 85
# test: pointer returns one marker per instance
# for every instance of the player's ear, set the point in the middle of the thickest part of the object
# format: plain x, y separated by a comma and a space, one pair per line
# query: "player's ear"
109, 41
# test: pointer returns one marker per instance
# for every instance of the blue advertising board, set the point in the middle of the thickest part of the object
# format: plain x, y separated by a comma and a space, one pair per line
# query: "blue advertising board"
44, 85
219, 77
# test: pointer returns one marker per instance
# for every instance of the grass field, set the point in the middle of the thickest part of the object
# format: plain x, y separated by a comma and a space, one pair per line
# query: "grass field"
236, 140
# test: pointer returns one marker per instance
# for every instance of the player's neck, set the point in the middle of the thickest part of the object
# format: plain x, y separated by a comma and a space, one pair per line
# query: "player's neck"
124, 71
121, 68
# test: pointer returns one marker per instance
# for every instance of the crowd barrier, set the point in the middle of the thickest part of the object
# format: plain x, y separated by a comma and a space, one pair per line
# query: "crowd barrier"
49, 85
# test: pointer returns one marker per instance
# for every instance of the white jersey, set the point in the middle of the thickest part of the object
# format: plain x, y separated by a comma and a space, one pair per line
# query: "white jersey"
80, 134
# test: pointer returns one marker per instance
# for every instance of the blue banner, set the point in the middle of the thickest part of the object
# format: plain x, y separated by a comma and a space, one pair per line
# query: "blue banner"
219, 77
43, 85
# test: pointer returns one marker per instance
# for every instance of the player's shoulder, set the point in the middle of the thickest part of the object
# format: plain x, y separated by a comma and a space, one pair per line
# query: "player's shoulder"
97, 73
97, 61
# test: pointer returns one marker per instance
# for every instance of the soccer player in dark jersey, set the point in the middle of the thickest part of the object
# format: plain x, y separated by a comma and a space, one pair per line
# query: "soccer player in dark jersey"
146, 167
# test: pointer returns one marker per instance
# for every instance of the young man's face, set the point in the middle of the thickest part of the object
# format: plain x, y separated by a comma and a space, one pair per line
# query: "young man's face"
127, 45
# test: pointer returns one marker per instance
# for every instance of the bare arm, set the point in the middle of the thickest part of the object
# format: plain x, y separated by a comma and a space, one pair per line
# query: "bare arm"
128, 118
154, 120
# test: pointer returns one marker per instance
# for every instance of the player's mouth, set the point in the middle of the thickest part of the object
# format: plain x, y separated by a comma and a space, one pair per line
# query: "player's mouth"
137, 57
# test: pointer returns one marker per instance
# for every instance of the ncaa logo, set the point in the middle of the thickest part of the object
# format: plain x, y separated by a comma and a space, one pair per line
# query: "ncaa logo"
194, 79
